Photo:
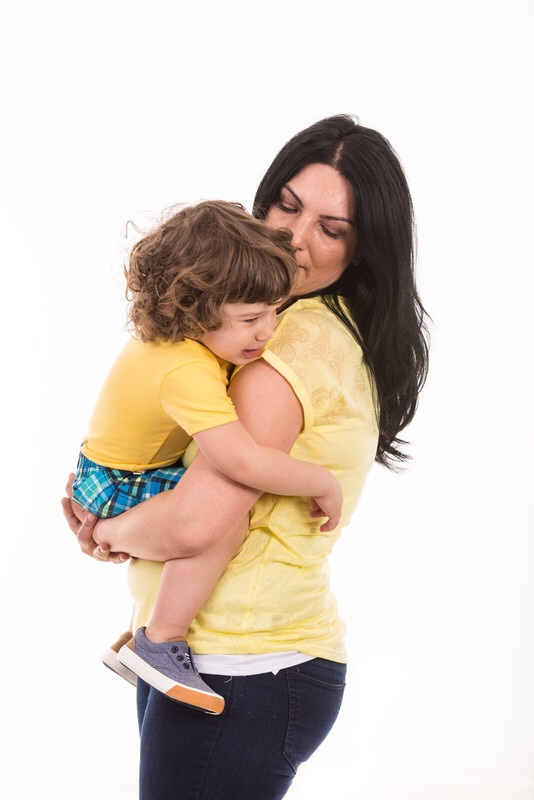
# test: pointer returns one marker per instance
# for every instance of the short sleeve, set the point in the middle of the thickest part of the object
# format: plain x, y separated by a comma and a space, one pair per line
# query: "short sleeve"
194, 393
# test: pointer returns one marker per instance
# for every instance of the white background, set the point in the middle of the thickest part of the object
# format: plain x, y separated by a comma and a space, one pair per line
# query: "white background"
116, 110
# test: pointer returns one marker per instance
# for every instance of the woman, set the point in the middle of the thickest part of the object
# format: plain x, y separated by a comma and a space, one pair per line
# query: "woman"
338, 383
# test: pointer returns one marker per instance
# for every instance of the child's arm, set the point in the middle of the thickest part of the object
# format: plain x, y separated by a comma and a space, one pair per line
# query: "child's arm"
233, 451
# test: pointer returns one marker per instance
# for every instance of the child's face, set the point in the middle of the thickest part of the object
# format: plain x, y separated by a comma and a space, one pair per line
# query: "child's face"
245, 329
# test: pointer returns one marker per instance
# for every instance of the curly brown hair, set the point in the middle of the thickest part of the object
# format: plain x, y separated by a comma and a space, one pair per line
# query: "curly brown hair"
200, 258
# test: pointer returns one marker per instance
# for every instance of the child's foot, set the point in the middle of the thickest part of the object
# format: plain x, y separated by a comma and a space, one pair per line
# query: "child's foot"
169, 668
110, 659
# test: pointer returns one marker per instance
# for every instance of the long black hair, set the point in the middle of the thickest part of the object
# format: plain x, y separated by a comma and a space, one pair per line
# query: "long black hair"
387, 317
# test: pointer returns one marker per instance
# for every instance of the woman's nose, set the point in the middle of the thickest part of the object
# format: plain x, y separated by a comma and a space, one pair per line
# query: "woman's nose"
298, 228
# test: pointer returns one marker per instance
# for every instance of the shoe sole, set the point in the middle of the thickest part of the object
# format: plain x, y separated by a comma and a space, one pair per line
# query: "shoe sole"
110, 659
195, 698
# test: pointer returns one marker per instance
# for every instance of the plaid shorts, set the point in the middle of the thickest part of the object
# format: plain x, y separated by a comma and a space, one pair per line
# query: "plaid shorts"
108, 492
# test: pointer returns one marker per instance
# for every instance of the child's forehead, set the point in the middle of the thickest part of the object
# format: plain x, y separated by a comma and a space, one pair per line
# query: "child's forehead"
245, 310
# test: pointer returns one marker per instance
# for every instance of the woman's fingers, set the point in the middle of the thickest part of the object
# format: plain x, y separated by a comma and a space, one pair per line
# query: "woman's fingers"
72, 520
83, 524
85, 534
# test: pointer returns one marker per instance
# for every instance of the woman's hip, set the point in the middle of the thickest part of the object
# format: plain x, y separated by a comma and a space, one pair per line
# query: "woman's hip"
270, 725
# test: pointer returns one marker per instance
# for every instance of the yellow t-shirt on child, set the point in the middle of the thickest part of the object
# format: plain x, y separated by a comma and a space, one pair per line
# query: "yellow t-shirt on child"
155, 398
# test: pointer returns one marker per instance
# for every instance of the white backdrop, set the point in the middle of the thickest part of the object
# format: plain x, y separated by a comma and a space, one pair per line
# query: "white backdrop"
115, 110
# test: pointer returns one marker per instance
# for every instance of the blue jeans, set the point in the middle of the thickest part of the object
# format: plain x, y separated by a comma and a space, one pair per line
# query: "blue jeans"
270, 725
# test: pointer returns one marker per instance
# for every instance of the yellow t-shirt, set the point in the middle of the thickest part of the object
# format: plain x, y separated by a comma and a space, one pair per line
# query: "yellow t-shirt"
275, 596
154, 399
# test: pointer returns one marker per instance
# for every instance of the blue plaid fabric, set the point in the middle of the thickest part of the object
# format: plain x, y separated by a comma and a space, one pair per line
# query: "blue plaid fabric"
108, 492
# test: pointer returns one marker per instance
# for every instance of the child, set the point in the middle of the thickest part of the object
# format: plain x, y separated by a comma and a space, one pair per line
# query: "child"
204, 288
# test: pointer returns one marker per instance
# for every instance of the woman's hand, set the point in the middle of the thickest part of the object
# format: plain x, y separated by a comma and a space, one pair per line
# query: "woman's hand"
83, 525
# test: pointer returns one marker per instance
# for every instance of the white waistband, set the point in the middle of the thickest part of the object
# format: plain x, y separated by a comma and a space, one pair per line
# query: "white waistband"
218, 664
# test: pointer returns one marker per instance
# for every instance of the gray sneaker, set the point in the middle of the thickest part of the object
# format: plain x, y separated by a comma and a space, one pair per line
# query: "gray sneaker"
169, 668
110, 659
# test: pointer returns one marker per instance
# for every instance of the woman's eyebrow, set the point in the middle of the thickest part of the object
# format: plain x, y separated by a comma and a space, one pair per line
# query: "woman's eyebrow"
338, 219
291, 192
322, 216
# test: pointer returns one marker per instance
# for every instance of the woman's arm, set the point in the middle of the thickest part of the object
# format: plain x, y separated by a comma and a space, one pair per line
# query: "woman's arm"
205, 506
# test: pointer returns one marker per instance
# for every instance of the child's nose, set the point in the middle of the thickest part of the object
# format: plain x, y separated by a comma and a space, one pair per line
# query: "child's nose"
266, 330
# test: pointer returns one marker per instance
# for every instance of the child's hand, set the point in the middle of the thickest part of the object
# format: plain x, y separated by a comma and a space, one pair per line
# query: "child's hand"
329, 505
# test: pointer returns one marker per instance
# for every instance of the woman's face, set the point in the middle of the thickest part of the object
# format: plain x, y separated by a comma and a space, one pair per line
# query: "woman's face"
317, 207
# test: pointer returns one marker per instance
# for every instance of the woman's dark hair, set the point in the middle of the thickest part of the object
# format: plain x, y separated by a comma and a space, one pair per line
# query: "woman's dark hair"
388, 318
197, 260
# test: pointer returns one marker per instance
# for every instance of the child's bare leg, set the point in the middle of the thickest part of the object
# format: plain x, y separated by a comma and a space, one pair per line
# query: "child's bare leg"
186, 584
155, 654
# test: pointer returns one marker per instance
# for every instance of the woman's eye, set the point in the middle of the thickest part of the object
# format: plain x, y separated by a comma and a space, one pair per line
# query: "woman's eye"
286, 209
331, 234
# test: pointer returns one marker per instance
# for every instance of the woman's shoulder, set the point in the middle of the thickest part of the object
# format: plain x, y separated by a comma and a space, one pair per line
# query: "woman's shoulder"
319, 356
305, 307
311, 344
308, 322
